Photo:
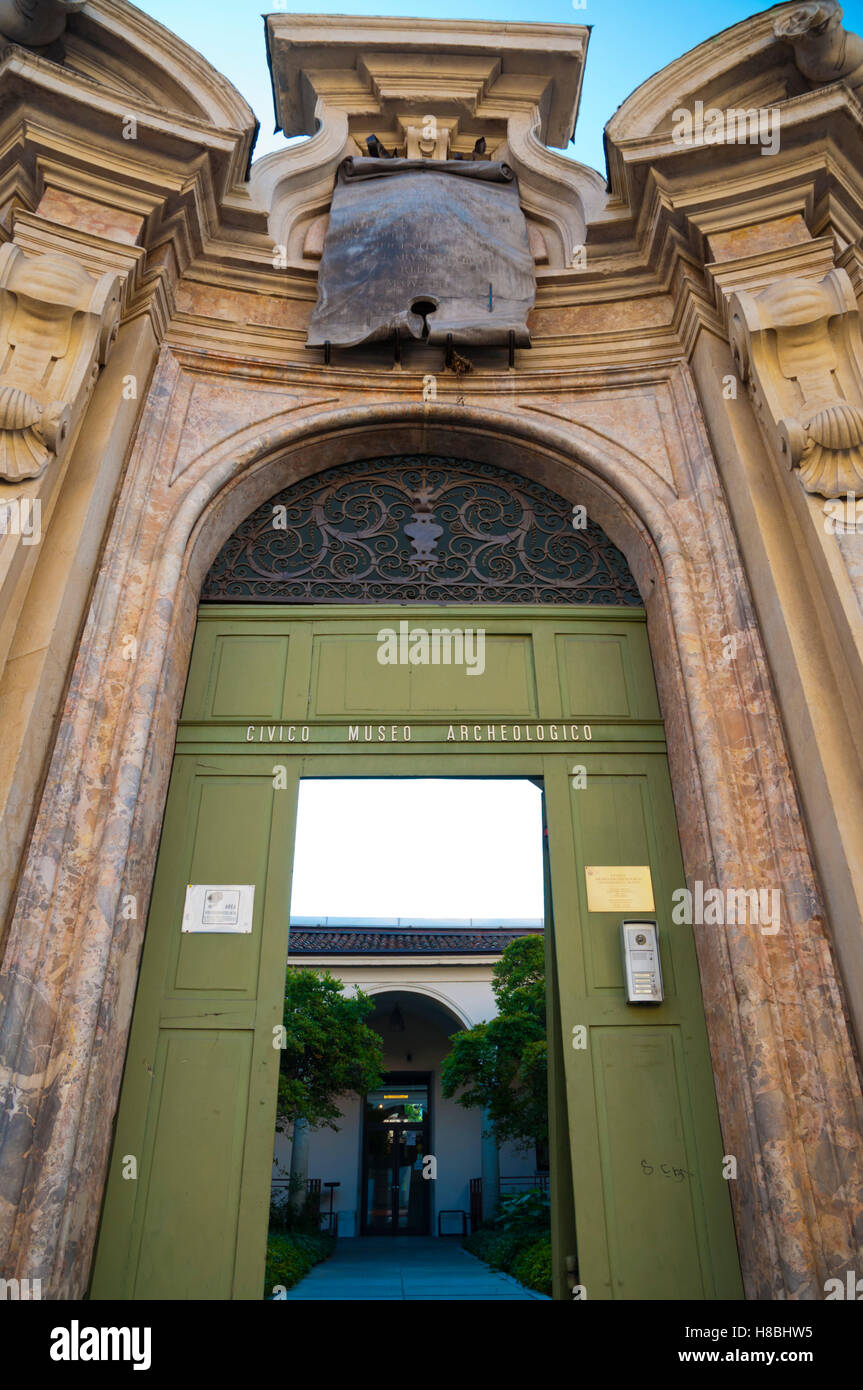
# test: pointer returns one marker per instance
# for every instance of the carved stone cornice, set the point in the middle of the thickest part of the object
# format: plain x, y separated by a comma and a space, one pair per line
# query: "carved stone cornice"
342, 81
805, 260
296, 184
559, 193
376, 69
141, 128
797, 345
57, 328
850, 259
91, 119
659, 240
147, 278
707, 187
723, 71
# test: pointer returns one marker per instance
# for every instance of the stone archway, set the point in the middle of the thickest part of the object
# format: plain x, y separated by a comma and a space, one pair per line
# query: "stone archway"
427, 1021
788, 1091
443, 1002
414, 1044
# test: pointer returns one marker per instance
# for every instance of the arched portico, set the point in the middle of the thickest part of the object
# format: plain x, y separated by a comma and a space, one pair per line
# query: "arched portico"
415, 1022
446, 1005
785, 1079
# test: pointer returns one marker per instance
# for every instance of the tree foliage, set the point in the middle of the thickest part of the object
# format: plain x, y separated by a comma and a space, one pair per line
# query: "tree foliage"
329, 1049
502, 1064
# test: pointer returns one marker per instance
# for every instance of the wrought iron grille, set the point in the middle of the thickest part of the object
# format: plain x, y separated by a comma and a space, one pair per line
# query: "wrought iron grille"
418, 529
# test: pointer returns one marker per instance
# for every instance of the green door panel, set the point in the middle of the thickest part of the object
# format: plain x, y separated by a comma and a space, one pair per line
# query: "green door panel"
606, 675
648, 1183
637, 1189
348, 679
197, 1109
238, 671
192, 1163
654, 1219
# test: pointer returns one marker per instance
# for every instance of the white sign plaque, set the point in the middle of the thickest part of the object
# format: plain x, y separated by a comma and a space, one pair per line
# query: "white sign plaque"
219, 907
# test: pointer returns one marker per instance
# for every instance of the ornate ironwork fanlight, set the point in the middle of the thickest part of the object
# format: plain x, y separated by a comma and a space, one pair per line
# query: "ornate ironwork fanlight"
418, 529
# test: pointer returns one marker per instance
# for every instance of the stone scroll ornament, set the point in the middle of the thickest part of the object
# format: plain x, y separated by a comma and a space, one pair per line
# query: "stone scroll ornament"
823, 51
57, 326
35, 23
798, 346
425, 248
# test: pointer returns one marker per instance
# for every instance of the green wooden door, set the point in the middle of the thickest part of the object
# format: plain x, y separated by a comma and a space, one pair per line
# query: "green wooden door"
275, 694
652, 1207
185, 1205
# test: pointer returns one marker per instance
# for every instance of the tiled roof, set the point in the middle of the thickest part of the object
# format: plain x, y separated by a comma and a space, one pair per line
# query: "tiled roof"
340, 941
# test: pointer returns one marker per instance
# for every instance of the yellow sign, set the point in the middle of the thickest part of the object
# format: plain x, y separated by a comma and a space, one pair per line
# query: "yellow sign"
619, 888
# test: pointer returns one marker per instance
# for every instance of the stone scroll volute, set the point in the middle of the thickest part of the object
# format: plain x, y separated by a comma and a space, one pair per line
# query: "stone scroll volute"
823, 50
58, 324
798, 346
35, 22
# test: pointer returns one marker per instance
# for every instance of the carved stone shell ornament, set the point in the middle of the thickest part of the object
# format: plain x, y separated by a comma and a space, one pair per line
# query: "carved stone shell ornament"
28, 434
828, 449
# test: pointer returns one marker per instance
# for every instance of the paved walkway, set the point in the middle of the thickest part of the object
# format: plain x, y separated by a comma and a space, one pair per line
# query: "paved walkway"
407, 1267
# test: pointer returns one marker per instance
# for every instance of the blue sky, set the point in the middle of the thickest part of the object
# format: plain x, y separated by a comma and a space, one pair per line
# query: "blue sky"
630, 41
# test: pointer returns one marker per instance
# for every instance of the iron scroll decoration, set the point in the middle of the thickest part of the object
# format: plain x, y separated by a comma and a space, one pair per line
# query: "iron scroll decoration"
418, 529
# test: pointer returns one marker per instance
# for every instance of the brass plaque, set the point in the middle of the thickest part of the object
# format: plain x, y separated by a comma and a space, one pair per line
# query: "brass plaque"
619, 888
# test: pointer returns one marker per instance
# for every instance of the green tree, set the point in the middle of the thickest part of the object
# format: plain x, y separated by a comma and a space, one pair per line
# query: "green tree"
502, 1064
329, 1049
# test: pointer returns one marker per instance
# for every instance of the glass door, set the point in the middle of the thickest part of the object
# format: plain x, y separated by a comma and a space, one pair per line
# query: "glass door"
395, 1144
